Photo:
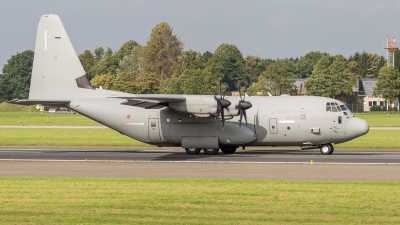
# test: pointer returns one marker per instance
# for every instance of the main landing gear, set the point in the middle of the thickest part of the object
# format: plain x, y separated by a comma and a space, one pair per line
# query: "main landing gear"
211, 151
326, 149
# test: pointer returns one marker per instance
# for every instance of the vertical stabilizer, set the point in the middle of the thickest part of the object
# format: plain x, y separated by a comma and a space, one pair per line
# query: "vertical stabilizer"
57, 72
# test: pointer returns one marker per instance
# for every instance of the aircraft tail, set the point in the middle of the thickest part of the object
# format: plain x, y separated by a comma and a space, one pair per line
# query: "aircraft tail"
57, 72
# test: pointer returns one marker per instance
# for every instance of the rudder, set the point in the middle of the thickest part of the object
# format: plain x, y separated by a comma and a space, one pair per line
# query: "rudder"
57, 72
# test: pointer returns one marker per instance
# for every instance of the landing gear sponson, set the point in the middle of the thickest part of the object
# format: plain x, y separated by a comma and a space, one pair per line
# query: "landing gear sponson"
211, 151
325, 149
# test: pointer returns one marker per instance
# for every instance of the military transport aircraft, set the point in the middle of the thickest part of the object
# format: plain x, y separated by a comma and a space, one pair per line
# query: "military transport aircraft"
195, 122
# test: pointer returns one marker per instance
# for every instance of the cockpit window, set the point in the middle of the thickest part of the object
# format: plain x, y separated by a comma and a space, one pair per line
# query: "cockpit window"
333, 107
328, 106
344, 107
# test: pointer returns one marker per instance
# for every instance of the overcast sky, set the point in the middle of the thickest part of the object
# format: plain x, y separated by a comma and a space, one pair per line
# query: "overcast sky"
269, 29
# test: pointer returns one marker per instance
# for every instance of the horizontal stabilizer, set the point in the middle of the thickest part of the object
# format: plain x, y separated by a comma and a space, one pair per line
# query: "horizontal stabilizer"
38, 102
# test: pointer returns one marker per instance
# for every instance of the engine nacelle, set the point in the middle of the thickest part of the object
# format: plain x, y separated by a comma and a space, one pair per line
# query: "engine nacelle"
204, 106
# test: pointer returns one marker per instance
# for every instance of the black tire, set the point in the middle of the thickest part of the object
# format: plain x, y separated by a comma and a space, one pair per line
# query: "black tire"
228, 149
326, 149
211, 151
192, 151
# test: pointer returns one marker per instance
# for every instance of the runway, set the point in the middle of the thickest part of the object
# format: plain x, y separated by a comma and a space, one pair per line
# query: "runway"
155, 163
241, 156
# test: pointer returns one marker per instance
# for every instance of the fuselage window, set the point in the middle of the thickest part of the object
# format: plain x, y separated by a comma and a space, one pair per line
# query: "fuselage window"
340, 120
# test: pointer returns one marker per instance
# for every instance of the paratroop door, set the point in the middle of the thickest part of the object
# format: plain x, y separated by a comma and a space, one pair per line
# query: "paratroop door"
154, 130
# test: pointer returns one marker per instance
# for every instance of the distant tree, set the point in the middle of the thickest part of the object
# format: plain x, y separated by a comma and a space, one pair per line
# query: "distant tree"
388, 84
374, 65
305, 64
252, 90
233, 65
16, 77
278, 78
105, 81
88, 63
254, 66
396, 60
130, 63
125, 82
105, 62
125, 50
207, 55
291, 66
197, 80
98, 54
161, 51
147, 83
368, 64
330, 78
352, 70
187, 60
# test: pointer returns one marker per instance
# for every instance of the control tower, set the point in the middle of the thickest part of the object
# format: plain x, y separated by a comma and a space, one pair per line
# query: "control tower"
391, 48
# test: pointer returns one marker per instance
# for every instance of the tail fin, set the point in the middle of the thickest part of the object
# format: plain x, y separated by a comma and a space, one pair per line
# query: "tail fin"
57, 72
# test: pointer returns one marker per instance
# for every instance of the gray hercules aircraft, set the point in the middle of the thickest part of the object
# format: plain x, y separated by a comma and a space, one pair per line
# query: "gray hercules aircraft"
195, 122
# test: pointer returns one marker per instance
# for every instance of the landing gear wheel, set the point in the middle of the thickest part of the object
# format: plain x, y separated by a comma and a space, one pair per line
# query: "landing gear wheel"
192, 151
326, 149
211, 151
228, 149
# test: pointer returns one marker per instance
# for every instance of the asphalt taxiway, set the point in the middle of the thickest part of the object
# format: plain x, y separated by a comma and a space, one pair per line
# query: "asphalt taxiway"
175, 163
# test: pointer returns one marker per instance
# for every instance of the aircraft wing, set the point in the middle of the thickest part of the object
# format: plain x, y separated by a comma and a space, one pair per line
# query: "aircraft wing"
38, 101
151, 101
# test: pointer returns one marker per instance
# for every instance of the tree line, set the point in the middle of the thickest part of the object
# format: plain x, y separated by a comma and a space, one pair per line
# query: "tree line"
163, 66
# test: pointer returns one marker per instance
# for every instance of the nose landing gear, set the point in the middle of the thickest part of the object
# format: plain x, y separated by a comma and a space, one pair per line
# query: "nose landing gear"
326, 149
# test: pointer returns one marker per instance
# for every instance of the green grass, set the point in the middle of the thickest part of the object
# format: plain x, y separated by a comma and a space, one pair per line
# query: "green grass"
29, 200
380, 119
45, 118
65, 137
5, 107
375, 139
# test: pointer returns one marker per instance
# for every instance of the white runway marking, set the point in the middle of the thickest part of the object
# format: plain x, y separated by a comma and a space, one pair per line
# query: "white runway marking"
186, 161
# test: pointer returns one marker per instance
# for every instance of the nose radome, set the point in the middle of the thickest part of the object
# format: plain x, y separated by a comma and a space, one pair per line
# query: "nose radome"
357, 127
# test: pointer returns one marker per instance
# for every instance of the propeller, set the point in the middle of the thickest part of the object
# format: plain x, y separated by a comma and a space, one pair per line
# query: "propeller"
222, 103
243, 106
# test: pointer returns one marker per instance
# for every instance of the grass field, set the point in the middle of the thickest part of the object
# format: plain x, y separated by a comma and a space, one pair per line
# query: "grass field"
375, 139
196, 201
380, 119
107, 137
45, 118
65, 137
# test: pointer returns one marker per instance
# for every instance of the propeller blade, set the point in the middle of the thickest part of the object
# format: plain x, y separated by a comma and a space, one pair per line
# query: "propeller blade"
241, 115
245, 116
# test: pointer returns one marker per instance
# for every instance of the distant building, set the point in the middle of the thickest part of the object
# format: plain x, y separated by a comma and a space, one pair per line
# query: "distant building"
362, 98
366, 88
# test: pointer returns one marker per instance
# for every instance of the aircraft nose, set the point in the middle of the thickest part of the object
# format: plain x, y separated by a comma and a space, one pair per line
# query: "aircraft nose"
357, 127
